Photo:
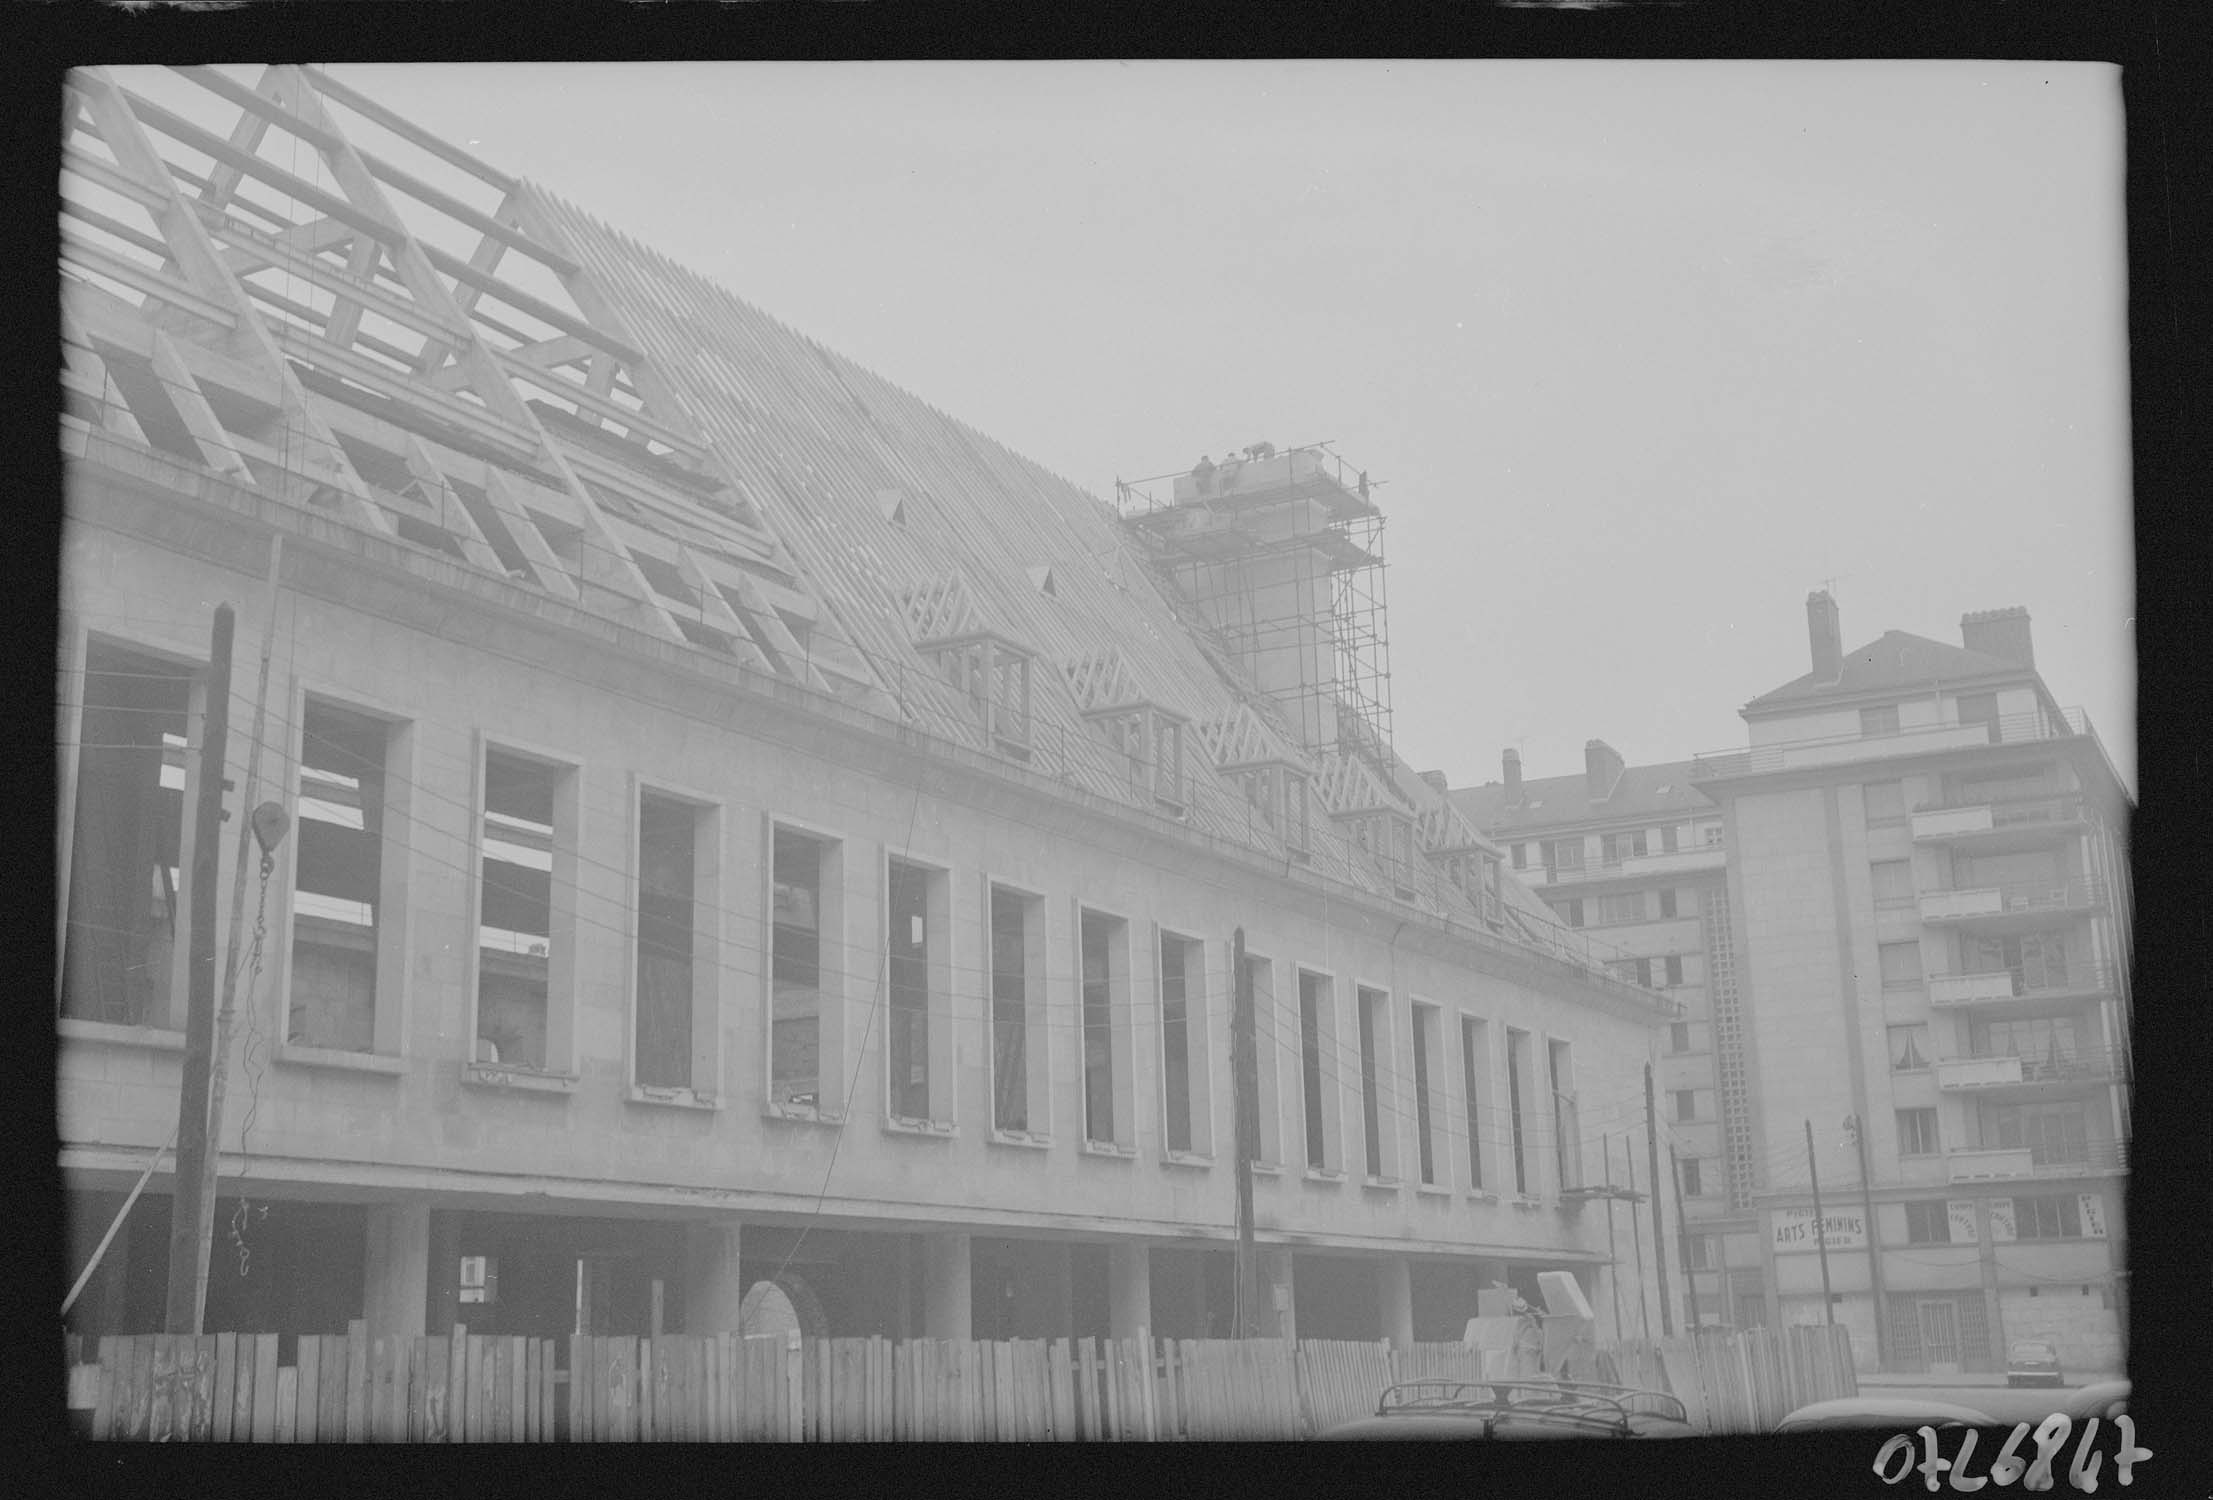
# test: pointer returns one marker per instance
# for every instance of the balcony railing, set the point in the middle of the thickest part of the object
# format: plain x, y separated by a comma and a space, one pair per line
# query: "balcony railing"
1936, 822
1998, 1163
2009, 729
2031, 896
1986, 986
1657, 862
1996, 1070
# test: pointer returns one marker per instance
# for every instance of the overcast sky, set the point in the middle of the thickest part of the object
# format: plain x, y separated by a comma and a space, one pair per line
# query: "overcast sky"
1644, 352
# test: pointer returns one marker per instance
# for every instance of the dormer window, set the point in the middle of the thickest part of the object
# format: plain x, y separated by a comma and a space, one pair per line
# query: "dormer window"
1150, 739
1279, 792
994, 676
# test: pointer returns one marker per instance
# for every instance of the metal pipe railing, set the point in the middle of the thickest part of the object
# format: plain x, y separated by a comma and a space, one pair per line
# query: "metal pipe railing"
2007, 729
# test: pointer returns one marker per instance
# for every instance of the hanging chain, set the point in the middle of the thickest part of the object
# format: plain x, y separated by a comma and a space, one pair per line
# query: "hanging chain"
252, 1059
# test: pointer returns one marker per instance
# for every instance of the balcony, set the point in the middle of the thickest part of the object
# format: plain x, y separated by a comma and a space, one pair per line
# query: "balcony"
1631, 867
1998, 827
2012, 1074
2006, 986
2013, 908
1793, 755
2097, 1158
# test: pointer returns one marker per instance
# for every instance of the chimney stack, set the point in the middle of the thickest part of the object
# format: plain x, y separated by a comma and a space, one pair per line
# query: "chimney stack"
1826, 636
2003, 633
1601, 769
1437, 780
1512, 762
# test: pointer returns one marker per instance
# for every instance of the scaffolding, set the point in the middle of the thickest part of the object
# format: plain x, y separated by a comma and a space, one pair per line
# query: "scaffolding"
1281, 554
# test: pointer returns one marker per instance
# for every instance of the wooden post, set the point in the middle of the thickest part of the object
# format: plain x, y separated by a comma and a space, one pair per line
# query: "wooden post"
1659, 1231
1244, 1069
1682, 1230
193, 1211
1820, 1235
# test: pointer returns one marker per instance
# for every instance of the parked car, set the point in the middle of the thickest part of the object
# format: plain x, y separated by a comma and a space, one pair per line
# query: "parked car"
1457, 1410
2104, 1399
1897, 1414
2032, 1362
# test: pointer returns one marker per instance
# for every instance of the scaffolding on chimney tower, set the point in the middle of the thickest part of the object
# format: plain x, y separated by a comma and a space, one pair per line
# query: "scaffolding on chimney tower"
1281, 553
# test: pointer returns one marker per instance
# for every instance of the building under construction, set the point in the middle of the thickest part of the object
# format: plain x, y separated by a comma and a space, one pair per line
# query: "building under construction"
745, 827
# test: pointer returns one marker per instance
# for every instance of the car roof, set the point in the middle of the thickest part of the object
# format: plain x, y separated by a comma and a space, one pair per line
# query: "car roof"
1876, 1411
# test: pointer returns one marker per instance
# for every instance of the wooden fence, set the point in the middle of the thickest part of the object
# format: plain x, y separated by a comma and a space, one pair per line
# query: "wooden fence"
464, 1387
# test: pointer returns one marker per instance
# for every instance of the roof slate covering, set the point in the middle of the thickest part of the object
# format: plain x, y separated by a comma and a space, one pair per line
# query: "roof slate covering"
1566, 799
1895, 659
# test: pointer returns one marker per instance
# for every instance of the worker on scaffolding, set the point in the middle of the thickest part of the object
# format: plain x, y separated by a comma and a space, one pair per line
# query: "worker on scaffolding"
1202, 474
1231, 463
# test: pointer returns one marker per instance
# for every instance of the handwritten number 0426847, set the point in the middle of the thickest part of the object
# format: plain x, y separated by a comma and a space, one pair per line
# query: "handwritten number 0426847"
2034, 1473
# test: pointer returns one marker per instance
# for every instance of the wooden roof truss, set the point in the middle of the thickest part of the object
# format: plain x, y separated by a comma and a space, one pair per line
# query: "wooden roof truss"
247, 287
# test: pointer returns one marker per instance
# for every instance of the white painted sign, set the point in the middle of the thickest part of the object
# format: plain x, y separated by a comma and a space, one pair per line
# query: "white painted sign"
2093, 1215
1961, 1211
2001, 1219
1791, 1229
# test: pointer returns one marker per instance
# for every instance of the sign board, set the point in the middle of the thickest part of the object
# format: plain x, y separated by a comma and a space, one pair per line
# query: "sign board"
479, 1278
1791, 1230
2093, 1215
1961, 1212
2001, 1219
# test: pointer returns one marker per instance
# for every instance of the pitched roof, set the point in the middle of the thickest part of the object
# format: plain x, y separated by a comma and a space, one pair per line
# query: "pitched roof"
1643, 791
1895, 659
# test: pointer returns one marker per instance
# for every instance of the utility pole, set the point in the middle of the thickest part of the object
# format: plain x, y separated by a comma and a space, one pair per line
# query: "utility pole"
1613, 1268
1820, 1232
1682, 1230
266, 825
191, 1220
1874, 1251
1636, 1231
1244, 1072
1659, 1233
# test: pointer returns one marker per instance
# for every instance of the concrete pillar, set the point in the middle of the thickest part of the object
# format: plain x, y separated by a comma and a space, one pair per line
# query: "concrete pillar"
714, 1286
395, 1284
1394, 1296
1279, 1296
946, 1309
1129, 1290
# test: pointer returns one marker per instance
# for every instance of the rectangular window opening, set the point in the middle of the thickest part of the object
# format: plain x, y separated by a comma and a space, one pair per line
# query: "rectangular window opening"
672, 981
1425, 1037
1183, 1043
522, 843
339, 842
1018, 1059
1475, 1060
1106, 1059
803, 888
126, 874
919, 1077
1316, 1033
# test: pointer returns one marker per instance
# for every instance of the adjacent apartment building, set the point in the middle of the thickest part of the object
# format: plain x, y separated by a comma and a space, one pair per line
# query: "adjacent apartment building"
1929, 891
745, 826
1636, 855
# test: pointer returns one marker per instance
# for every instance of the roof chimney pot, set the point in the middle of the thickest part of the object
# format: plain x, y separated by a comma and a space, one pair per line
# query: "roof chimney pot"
2003, 633
1826, 635
1602, 767
1511, 760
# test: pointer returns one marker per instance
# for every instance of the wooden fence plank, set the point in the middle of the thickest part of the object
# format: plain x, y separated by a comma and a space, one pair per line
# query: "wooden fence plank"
307, 1367
127, 1417
436, 1389
357, 1381
623, 1367
330, 1388
196, 1398
288, 1404
581, 1356
223, 1394
518, 1386
265, 1388
242, 1393
103, 1406
161, 1411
